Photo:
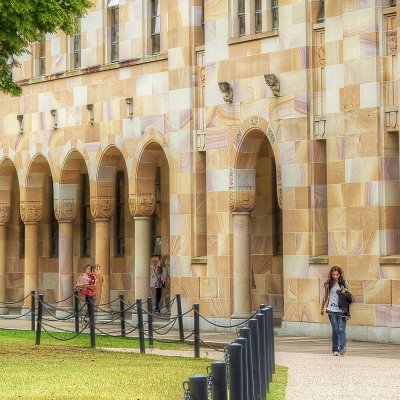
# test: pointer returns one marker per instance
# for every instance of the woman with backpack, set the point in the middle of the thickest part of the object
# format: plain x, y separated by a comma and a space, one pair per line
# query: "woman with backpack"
337, 299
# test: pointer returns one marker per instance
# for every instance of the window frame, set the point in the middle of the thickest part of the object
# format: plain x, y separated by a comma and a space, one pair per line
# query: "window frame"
42, 58
258, 20
241, 17
114, 34
77, 45
155, 14
274, 15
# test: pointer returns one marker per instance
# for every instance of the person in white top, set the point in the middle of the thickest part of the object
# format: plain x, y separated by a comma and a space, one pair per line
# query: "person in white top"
333, 286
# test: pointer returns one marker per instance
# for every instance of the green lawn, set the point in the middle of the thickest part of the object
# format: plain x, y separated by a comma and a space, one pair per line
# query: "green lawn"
70, 370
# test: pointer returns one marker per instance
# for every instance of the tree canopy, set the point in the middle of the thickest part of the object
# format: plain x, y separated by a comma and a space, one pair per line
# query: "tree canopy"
26, 21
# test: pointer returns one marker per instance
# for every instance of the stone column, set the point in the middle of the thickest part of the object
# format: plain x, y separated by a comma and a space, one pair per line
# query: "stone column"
4, 217
31, 213
102, 209
65, 212
241, 265
142, 207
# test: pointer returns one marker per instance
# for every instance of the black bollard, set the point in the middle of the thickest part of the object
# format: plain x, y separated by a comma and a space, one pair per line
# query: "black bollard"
196, 330
180, 318
218, 379
253, 325
92, 327
76, 310
268, 342
150, 321
245, 332
263, 355
33, 299
122, 314
246, 393
272, 336
141, 326
235, 371
198, 387
39, 319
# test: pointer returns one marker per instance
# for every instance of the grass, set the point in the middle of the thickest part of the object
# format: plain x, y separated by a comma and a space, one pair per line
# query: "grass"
58, 370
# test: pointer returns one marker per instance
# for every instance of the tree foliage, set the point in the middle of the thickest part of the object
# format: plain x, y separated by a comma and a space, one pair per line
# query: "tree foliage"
26, 21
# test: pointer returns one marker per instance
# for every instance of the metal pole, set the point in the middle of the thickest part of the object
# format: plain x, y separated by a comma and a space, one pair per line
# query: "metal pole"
76, 310
218, 378
92, 327
272, 336
198, 387
39, 319
246, 393
180, 318
122, 313
141, 326
253, 325
263, 355
196, 310
268, 342
150, 321
33, 299
245, 332
235, 371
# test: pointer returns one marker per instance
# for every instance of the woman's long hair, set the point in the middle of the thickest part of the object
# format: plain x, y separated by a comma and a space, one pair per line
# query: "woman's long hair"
341, 281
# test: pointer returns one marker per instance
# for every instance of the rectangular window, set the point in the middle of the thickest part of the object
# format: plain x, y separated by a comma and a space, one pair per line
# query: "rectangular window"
119, 214
114, 34
77, 44
53, 224
42, 59
86, 217
321, 11
275, 14
242, 17
258, 16
203, 32
21, 238
155, 26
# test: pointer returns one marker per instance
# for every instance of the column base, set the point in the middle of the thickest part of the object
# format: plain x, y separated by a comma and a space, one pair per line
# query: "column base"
65, 312
4, 310
240, 316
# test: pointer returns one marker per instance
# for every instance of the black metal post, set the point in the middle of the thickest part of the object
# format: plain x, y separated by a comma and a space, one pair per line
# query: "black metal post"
218, 378
198, 387
253, 325
33, 299
272, 336
92, 326
150, 321
245, 332
141, 326
268, 342
196, 330
180, 318
122, 313
263, 355
235, 371
39, 319
76, 310
246, 393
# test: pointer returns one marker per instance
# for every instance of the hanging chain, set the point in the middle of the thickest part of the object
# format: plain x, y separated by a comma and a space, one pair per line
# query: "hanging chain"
226, 359
186, 391
209, 383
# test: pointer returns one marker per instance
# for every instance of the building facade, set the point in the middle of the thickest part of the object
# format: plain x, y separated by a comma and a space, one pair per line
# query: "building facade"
253, 142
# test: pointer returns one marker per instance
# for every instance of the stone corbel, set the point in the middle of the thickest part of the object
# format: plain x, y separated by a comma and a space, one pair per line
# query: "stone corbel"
142, 205
65, 210
226, 89
102, 207
242, 199
4, 213
31, 211
273, 82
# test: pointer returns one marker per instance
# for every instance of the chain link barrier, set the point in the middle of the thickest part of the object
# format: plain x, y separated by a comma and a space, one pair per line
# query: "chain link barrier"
15, 302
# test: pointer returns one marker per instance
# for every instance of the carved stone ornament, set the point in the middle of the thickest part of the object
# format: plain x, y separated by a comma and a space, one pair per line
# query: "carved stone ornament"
279, 185
31, 211
142, 205
391, 43
102, 207
65, 210
226, 89
4, 213
273, 82
254, 121
321, 56
242, 200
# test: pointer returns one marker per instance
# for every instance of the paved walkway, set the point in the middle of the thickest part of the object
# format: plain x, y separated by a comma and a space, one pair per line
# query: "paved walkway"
367, 371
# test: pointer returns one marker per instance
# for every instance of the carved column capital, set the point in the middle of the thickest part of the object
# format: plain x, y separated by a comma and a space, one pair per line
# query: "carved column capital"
4, 213
65, 210
242, 199
142, 205
102, 207
31, 211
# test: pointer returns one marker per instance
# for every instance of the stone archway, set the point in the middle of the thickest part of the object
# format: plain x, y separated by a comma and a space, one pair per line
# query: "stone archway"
255, 199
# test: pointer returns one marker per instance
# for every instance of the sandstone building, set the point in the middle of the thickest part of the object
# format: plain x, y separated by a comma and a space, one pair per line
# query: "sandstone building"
254, 142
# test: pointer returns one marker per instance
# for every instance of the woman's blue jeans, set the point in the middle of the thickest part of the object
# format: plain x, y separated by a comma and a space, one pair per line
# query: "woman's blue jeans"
338, 330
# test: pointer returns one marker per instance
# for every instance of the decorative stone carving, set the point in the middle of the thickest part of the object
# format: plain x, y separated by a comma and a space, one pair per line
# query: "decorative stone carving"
202, 76
142, 205
273, 82
226, 89
238, 139
391, 43
254, 121
102, 207
65, 210
271, 135
31, 211
279, 185
242, 199
4, 213
321, 56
